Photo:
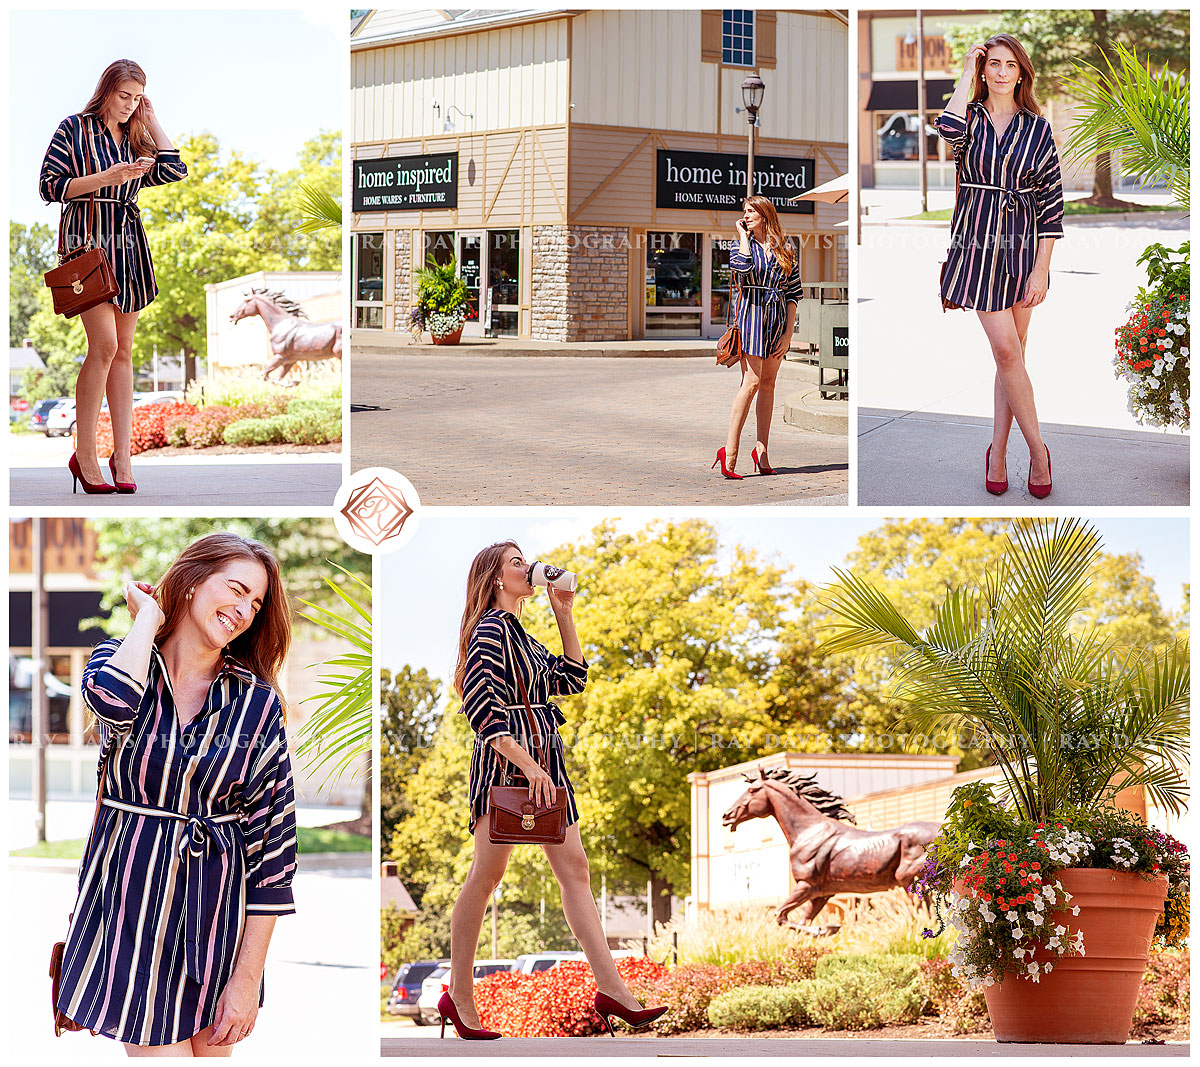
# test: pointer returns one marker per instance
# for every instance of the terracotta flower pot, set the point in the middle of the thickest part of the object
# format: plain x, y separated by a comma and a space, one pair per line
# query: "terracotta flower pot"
1086, 999
446, 338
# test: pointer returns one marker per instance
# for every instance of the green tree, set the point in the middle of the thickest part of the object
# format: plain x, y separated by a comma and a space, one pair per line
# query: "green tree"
31, 252
318, 171
143, 549
408, 722
1057, 39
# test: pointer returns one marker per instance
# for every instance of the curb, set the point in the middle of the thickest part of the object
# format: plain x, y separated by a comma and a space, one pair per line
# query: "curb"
809, 411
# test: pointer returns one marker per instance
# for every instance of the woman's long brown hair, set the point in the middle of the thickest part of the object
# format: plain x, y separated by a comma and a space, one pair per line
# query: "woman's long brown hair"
481, 595
135, 129
776, 241
263, 646
1023, 96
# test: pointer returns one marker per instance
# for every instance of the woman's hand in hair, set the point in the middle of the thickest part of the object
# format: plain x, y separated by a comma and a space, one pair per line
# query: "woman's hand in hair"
140, 598
971, 63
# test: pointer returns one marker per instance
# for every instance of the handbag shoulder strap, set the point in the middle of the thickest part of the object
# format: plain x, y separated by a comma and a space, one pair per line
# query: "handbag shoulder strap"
539, 755
90, 151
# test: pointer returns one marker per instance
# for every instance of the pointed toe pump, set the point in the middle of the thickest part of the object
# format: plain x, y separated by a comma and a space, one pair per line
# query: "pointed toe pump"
121, 487
1041, 491
995, 488
761, 465
729, 472
605, 1006
447, 1010
88, 487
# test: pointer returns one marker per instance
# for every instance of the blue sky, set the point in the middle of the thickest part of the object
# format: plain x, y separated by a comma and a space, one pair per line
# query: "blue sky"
263, 82
421, 586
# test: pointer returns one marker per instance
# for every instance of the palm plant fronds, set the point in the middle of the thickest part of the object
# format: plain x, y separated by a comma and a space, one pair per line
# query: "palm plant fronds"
1143, 115
319, 208
338, 734
1071, 717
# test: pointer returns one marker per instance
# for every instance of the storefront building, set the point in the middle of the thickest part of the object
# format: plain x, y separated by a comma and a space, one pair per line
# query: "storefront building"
585, 168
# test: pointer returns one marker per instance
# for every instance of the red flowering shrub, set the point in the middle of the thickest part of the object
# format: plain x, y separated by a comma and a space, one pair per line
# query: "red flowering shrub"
1165, 998
207, 427
148, 427
552, 1003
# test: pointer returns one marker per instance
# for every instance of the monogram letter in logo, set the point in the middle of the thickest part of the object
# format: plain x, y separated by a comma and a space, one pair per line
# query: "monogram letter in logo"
553, 573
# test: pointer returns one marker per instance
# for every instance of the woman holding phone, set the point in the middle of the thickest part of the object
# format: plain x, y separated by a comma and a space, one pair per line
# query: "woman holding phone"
493, 650
113, 148
766, 290
1008, 210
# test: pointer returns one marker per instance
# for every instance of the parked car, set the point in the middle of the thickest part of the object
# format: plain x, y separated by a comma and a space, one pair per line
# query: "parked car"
406, 989
41, 411
61, 420
438, 982
161, 396
532, 962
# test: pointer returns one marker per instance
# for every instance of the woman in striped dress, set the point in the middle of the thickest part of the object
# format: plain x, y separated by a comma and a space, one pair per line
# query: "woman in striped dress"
493, 649
115, 147
1008, 212
192, 854
767, 291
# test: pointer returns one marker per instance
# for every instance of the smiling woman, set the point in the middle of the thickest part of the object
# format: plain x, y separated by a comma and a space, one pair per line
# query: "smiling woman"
195, 834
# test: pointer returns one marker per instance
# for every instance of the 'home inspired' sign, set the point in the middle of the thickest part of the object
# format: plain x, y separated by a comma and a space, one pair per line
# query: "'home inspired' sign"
708, 181
406, 183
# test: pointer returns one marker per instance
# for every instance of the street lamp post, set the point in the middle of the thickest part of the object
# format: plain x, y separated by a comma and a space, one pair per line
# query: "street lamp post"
752, 94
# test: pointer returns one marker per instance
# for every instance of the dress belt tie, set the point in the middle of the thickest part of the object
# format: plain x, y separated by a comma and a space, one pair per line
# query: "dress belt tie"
555, 710
130, 207
194, 847
1014, 196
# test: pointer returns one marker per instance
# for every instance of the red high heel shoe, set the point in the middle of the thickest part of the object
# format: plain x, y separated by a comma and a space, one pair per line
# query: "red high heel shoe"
761, 466
729, 472
88, 487
606, 1006
995, 488
122, 487
1041, 491
448, 1011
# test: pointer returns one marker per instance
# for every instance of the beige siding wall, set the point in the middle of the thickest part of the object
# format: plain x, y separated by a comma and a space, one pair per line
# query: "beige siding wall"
503, 78
643, 69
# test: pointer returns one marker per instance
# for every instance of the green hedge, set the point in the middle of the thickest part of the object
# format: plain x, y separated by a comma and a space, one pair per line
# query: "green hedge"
864, 992
760, 1007
254, 432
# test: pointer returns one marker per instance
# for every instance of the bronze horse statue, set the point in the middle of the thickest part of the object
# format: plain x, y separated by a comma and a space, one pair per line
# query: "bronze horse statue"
292, 339
828, 856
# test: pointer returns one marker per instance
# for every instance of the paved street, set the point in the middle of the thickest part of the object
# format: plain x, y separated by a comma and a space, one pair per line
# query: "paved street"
39, 478
725, 1046
468, 429
917, 366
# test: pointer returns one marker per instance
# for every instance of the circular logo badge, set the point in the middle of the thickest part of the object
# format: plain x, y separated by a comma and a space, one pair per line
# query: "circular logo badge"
376, 510
553, 573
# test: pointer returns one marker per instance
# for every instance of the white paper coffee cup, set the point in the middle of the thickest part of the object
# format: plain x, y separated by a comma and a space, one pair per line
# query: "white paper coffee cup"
545, 574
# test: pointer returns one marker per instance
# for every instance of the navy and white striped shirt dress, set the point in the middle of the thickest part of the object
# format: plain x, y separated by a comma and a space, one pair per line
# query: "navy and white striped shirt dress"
766, 292
118, 227
497, 649
197, 830
1009, 198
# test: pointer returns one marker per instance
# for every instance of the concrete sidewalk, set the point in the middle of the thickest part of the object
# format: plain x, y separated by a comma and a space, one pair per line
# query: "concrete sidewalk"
741, 1047
916, 458
400, 344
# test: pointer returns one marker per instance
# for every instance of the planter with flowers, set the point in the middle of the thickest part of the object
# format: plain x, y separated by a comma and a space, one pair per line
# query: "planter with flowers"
1056, 893
1154, 345
443, 301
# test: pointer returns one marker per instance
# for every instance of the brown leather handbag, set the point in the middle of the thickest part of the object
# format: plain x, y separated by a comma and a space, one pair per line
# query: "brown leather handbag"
84, 277
516, 819
729, 347
61, 1022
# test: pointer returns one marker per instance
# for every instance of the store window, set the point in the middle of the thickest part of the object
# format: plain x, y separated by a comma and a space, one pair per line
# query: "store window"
440, 245
504, 282
368, 281
896, 136
737, 38
674, 276
57, 681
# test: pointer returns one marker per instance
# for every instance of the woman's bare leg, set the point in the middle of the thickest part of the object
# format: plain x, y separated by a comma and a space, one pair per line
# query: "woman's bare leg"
764, 405
1003, 417
178, 1048
570, 867
752, 371
119, 390
466, 921
1008, 350
200, 1045
99, 323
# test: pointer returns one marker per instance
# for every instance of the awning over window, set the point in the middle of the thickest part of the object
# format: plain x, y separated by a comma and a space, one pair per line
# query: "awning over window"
902, 95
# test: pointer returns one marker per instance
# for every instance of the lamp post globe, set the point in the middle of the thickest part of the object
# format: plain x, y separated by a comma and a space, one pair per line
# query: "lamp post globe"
752, 95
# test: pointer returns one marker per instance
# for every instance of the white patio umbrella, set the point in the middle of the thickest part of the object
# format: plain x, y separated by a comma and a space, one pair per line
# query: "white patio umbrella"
832, 192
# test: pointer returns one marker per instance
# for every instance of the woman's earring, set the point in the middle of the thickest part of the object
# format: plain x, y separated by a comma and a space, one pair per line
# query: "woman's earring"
189, 593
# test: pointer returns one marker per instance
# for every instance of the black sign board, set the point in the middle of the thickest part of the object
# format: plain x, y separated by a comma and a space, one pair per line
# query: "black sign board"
406, 183
707, 181
841, 340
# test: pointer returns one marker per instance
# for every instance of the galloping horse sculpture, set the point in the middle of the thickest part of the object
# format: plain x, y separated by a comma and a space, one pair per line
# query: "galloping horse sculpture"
827, 856
292, 339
